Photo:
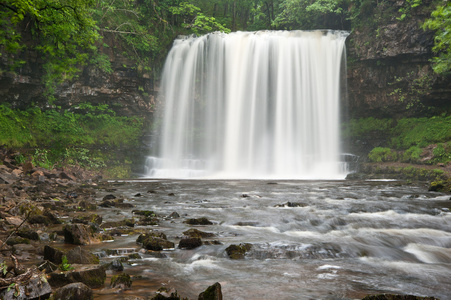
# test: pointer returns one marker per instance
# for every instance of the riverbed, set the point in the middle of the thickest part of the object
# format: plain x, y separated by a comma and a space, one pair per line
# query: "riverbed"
310, 239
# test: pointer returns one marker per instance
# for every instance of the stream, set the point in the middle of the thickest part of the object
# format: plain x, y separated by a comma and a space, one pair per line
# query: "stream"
311, 239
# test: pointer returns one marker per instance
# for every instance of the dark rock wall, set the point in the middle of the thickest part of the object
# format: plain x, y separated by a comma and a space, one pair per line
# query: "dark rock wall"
389, 70
127, 90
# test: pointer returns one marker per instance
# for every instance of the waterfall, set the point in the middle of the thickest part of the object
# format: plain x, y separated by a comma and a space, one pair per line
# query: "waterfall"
251, 105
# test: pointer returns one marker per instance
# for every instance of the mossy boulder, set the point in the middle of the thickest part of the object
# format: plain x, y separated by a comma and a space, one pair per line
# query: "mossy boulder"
122, 281
238, 251
92, 275
443, 186
199, 221
78, 255
154, 241
396, 297
74, 291
212, 293
194, 233
190, 243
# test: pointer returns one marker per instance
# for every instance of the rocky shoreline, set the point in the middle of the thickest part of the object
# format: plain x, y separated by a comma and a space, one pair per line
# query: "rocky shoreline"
42, 208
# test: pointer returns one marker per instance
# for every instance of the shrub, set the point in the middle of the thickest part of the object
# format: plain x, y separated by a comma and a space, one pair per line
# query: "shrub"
380, 154
412, 155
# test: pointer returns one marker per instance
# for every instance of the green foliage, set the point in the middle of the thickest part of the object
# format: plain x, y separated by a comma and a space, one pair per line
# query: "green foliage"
412, 155
380, 154
65, 266
66, 137
411, 89
317, 14
442, 153
407, 8
62, 32
364, 126
421, 132
440, 22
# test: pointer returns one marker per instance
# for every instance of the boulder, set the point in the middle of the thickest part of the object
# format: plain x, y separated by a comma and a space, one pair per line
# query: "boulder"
53, 255
92, 275
199, 221
80, 256
157, 244
396, 297
77, 234
36, 287
238, 251
190, 243
121, 281
194, 233
74, 291
212, 293
28, 233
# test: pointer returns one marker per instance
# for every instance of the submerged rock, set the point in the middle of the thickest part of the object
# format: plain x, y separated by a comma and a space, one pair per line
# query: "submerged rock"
74, 291
194, 233
212, 293
238, 251
121, 281
92, 275
396, 297
199, 221
190, 243
80, 256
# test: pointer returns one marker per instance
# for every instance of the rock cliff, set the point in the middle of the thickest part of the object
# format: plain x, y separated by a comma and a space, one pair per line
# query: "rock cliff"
389, 69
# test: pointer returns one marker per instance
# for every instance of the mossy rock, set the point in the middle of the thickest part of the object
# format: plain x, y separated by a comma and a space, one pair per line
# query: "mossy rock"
199, 221
155, 243
194, 233
212, 293
238, 251
443, 186
122, 281
396, 297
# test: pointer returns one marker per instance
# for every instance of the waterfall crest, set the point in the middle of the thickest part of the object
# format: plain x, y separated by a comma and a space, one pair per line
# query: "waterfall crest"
251, 105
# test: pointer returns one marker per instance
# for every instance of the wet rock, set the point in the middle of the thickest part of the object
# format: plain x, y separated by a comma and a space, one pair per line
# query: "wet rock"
190, 243
212, 293
174, 215
77, 234
396, 297
16, 221
238, 251
117, 266
157, 244
80, 256
53, 218
92, 275
194, 233
109, 197
144, 236
39, 219
28, 233
87, 205
19, 248
74, 291
34, 288
53, 255
199, 221
145, 213
121, 281
88, 219
17, 240
291, 204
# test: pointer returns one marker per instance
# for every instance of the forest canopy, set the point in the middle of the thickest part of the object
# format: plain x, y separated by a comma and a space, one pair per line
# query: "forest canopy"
67, 34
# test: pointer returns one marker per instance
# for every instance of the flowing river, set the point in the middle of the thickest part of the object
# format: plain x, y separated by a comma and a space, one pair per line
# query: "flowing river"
311, 239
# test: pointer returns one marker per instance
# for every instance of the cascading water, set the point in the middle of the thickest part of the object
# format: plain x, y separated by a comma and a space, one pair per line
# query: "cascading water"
251, 105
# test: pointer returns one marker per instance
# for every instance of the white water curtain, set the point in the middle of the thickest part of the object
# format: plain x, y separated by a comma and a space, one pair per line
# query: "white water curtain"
251, 105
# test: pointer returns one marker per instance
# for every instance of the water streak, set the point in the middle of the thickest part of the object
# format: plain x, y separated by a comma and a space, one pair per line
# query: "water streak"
251, 105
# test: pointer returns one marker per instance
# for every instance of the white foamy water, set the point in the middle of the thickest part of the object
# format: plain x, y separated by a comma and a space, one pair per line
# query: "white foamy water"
251, 105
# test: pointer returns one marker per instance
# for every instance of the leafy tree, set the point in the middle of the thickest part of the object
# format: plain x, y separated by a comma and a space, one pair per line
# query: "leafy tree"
440, 21
312, 14
61, 31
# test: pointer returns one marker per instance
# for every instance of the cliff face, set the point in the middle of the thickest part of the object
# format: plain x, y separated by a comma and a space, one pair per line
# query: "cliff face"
389, 72
126, 89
